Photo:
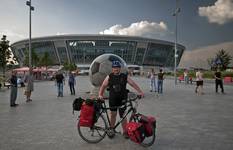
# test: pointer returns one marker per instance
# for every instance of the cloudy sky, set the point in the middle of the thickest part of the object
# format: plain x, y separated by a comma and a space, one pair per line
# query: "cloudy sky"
200, 22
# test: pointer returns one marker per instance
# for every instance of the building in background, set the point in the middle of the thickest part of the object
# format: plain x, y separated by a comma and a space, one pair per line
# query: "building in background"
83, 49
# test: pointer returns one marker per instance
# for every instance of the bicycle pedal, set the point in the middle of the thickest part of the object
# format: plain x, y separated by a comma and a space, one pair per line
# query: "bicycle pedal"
111, 134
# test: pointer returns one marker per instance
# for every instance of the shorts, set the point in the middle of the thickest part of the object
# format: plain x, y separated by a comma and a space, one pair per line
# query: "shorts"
117, 102
199, 83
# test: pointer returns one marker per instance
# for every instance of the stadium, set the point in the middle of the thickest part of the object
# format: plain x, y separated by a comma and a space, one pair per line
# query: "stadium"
83, 49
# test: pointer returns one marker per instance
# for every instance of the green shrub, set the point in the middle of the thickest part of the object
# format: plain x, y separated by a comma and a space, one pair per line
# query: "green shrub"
227, 74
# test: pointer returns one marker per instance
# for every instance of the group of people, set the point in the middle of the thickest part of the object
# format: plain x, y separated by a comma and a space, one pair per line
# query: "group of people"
199, 81
60, 81
156, 81
29, 87
116, 81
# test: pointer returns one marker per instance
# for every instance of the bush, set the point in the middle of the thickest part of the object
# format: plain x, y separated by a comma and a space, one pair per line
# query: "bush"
227, 74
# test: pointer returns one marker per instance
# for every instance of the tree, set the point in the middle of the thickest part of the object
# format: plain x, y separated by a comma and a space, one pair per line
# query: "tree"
46, 61
5, 54
35, 58
221, 60
69, 66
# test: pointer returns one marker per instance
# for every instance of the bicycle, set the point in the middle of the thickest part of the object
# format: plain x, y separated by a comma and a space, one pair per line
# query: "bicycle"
101, 127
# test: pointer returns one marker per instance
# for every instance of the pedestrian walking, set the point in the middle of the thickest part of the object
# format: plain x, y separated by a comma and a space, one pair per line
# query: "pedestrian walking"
186, 77
160, 81
199, 82
14, 89
72, 83
29, 85
153, 81
218, 80
60, 80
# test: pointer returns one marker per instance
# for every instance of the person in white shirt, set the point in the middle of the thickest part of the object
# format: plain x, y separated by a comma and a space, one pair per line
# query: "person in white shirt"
153, 81
199, 82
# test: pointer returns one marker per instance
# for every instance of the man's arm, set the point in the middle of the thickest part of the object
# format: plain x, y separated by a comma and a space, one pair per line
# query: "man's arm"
216, 77
135, 86
103, 87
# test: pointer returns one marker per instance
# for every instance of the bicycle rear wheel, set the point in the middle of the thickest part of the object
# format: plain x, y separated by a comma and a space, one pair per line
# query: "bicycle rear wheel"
148, 141
93, 134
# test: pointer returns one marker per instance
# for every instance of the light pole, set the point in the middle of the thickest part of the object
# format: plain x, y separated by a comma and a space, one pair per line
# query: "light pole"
175, 55
122, 53
84, 55
31, 8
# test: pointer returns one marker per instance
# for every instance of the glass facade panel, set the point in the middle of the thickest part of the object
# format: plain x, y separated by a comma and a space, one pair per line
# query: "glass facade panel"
62, 54
139, 56
159, 55
41, 47
87, 51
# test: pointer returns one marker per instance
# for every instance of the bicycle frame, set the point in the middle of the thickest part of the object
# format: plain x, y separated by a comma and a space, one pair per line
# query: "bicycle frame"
131, 110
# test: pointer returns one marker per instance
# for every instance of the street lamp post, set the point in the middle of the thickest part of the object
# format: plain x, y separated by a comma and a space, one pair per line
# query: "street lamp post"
84, 55
122, 53
175, 55
31, 8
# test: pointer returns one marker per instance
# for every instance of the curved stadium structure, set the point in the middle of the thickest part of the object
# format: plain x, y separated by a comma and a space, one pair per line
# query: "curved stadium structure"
83, 49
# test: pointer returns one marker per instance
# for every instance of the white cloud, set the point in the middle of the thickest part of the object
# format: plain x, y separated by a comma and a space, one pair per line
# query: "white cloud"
143, 28
11, 35
221, 12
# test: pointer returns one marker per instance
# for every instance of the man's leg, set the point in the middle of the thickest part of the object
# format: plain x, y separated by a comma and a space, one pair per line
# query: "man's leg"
12, 97
113, 115
155, 85
161, 82
216, 86
151, 85
221, 86
28, 95
61, 89
124, 121
58, 89
71, 90
15, 94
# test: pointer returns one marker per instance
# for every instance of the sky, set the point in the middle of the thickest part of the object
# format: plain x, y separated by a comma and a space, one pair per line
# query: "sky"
200, 22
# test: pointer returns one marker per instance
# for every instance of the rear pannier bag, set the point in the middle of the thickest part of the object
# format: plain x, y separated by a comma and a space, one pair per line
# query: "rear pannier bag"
149, 124
86, 117
135, 132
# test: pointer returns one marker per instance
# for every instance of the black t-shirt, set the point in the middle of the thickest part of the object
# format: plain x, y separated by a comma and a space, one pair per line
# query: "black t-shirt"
13, 80
218, 75
160, 76
59, 78
117, 85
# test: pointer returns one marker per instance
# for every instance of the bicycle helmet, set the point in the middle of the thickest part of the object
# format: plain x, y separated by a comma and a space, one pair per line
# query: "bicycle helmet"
116, 63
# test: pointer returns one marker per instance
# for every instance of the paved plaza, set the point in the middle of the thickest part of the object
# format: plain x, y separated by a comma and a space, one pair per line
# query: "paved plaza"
185, 121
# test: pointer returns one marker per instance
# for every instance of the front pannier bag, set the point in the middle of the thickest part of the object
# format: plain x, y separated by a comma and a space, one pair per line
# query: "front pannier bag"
135, 132
149, 124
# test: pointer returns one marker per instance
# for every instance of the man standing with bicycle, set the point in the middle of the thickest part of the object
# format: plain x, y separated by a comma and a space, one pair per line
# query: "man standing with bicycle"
117, 81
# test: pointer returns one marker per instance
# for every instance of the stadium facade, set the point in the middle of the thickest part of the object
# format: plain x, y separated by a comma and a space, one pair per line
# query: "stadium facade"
83, 49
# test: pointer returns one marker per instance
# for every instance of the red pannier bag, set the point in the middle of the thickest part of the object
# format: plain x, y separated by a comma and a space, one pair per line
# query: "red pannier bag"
149, 124
86, 115
135, 132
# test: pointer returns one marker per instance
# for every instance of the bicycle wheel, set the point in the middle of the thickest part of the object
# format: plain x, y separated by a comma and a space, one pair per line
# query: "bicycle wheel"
148, 141
93, 134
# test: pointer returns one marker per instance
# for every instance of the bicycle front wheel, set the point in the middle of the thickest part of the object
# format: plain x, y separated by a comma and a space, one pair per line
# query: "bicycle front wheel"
93, 134
148, 141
